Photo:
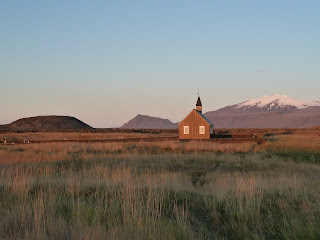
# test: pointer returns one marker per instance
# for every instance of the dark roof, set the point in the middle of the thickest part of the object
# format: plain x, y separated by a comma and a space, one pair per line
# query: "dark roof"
199, 102
206, 119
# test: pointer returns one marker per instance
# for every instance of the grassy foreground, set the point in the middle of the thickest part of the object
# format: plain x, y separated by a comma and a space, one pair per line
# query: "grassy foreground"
159, 191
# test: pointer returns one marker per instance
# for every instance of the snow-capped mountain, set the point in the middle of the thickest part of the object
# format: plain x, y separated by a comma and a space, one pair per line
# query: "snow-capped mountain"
278, 111
277, 102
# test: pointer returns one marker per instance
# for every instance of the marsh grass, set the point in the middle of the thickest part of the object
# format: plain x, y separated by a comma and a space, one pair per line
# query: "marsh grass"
45, 136
297, 142
69, 151
161, 196
161, 190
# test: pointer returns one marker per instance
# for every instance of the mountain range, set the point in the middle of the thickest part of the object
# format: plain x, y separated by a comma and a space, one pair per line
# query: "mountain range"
278, 111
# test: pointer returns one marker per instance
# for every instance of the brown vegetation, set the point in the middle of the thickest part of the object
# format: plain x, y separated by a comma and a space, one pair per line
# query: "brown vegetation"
161, 190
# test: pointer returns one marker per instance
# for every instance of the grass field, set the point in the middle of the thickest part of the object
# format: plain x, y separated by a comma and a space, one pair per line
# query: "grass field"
162, 190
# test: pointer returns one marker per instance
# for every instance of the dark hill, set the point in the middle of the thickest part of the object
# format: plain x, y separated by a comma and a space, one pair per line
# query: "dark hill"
46, 123
147, 122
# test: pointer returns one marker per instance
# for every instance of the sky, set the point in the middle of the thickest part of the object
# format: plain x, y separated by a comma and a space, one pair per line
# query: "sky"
104, 62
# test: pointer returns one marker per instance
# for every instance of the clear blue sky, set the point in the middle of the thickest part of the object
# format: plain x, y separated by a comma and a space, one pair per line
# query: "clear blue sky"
106, 61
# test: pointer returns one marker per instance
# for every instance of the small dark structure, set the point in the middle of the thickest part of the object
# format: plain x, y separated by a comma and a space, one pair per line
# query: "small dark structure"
195, 125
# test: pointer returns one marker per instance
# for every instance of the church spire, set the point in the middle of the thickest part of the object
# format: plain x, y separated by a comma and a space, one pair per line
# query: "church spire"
199, 105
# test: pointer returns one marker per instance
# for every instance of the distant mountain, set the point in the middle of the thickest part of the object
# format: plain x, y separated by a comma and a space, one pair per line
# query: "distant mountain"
276, 103
147, 122
46, 123
278, 111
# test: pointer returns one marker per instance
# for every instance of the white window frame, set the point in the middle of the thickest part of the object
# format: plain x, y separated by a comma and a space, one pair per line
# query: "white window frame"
202, 129
186, 129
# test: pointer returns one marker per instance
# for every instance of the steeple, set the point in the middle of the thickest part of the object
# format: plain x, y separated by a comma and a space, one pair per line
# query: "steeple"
199, 105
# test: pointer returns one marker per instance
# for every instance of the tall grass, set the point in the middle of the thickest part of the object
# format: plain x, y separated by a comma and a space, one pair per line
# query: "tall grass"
297, 142
161, 190
199, 195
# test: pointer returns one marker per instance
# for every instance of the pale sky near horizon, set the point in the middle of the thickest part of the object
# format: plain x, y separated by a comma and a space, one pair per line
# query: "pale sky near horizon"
104, 62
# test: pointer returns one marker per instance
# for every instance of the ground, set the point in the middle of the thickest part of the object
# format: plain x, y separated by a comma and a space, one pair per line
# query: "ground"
161, 189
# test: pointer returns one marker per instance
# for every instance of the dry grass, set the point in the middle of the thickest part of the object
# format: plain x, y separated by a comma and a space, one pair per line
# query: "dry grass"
301, 141
45, 136
68, 151
170, 197
162, 190
124, 134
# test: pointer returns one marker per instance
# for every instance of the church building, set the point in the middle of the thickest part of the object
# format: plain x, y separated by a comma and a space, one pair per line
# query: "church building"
195, 125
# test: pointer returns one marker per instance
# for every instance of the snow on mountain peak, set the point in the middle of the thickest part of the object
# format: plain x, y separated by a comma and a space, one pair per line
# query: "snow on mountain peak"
278, 101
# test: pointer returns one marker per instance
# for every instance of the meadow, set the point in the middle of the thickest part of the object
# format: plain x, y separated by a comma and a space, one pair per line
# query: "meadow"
162, 190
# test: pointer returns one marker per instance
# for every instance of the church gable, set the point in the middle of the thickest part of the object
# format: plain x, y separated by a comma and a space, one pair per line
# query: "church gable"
195, 117
195, 125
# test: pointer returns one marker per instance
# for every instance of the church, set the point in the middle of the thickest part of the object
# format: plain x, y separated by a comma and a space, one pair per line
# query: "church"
195, 125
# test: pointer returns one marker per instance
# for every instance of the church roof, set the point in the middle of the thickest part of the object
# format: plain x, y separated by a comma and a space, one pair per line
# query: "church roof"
201, 115
206, 119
